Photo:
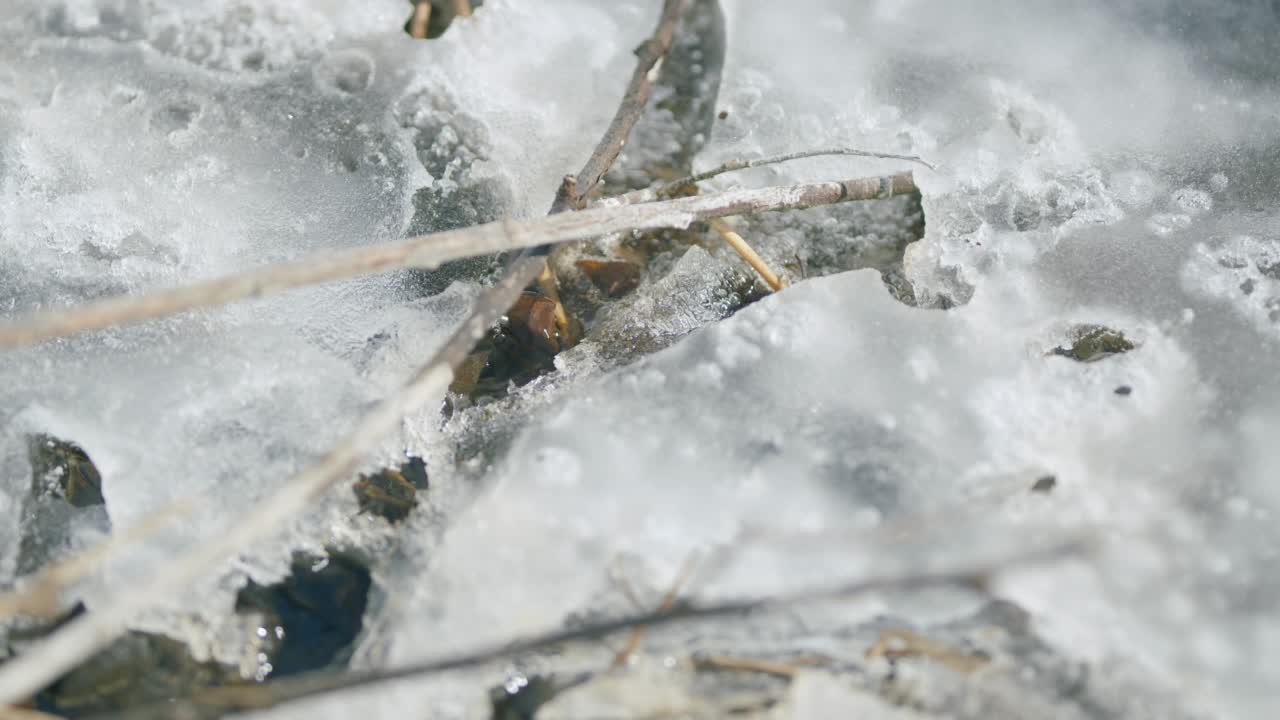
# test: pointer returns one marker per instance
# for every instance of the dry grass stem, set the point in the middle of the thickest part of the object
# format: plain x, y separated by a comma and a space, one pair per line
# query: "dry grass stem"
742, 664
420, 20
668, 602
748, 253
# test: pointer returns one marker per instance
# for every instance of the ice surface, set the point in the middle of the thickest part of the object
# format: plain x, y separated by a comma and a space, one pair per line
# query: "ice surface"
1116, 175
147, 144
1098, 166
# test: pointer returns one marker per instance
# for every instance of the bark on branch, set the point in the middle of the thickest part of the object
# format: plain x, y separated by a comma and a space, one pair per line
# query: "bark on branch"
650, 53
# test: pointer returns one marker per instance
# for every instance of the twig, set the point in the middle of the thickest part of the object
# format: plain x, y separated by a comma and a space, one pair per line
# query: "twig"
92, 631
673, 188
420, 20
259, 697
462, 8
901, 642
668, 602
436, 248
649, 54
748, 253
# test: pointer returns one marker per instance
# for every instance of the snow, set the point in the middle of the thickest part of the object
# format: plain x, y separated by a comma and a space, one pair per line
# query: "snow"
1098, 165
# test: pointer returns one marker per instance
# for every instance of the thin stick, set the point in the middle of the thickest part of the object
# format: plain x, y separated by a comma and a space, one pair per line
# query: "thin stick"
672, 188
748, 253
650, 53
436, 248
420, 20
744, 664
668, 602
92, 631
462, 8
259, 697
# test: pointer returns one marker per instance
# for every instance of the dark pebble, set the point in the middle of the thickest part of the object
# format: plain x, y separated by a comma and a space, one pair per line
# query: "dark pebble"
1044, 484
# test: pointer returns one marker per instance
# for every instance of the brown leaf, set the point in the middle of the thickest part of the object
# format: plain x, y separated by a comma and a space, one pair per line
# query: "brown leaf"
614, 278
532, 320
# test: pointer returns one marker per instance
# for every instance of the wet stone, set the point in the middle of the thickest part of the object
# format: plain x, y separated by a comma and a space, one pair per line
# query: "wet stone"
1090, 343
65, 496
392, 494
310, 619
521, 697
1044, 484
63, 469
138, 669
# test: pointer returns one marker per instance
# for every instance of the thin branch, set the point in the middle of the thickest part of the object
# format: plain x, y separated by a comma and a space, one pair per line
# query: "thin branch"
668, 602
429, 251
259, 697
650, 53
673, 188
463, 8
81, 637
748, 253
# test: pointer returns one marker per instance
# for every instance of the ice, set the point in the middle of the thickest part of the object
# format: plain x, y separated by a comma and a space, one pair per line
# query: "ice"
1115, 175
149, 144
1102, 171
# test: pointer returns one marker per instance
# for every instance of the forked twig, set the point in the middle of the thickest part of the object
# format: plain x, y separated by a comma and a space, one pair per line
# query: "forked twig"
650, 53
436, 248
259, 697
675, 187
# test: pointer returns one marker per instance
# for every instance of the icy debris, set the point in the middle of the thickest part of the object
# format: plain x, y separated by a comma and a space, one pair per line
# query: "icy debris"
697, 290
